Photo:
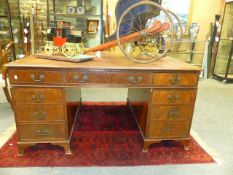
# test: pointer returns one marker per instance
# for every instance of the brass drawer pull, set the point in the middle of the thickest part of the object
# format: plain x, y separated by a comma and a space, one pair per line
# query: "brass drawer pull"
173, 98
134, 80
79, 80
175, 80
167, 129
39, 115
38, 98
173, 113
43, 132
37, 78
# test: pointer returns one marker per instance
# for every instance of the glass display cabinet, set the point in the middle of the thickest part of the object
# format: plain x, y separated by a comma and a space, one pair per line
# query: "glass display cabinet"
223, 68
83, 17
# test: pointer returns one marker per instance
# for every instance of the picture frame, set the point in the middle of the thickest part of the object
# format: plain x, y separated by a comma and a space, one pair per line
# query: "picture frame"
92, 25
71, 9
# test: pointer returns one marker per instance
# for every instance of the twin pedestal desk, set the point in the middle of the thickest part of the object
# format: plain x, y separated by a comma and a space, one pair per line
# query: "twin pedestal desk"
161, 95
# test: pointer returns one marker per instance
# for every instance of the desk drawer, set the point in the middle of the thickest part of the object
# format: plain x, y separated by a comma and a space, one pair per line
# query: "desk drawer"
34, 76
42, 131
109, 78
175, 79
171, 97
37, 95
172, 113
39, 113
168, 129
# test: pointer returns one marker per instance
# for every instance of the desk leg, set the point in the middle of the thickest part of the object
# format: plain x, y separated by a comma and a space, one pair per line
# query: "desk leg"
66, 146
21, 147
186, 144
147, 144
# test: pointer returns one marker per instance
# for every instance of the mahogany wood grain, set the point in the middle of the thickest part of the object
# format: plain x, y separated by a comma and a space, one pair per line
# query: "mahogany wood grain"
168, 129
106, 61
39, 113
138, 99
42, 131
141, 110
173, 97
37, 95
109, 78
171, 112
162, 96
21, 145
34, 76
175, 79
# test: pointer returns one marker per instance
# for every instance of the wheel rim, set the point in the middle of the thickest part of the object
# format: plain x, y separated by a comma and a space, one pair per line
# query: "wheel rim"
144, 56
177, 41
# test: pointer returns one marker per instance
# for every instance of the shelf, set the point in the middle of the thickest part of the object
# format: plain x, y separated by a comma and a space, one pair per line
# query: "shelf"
186, 52
189, 41
3, 16
73, 15
93, 10
185, 41
229, 76
4, 32
226, 39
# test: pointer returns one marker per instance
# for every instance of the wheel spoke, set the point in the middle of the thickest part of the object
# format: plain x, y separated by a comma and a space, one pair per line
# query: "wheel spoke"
139, 16
146, 49
125, 22
147, 15
135, 20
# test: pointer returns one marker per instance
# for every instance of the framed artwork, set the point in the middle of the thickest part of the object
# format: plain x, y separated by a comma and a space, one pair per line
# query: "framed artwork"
92, 25
70, 9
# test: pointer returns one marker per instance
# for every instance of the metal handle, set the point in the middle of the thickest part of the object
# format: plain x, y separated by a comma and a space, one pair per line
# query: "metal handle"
37, 78
173, 113
79, 80
175, 80
173, 98
167, 129
134, 80
43, 132
38, 98
40, 115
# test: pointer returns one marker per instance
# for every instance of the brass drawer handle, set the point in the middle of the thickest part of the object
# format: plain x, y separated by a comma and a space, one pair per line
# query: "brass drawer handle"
39, 115
38, 98
43, 132
173, 113
175, 80
167, 129
37, 78
134, 80
173, 98
81, 80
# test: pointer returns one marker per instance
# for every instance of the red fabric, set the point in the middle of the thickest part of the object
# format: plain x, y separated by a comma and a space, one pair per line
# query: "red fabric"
58, 41
104, 136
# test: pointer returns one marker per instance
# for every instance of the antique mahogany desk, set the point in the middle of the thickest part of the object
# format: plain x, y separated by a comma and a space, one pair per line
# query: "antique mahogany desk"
162, 96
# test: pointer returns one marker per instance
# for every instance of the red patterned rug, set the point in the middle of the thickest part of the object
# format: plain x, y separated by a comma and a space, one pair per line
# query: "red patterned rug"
104, 135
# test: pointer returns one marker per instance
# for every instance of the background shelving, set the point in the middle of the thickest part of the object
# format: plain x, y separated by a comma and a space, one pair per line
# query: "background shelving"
223, 67
93, 10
